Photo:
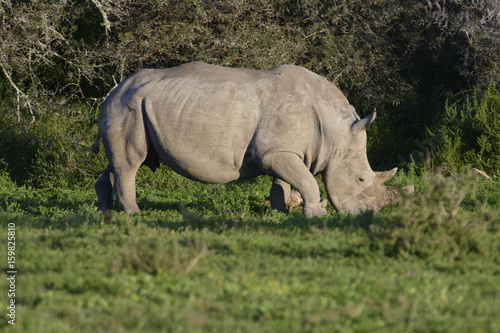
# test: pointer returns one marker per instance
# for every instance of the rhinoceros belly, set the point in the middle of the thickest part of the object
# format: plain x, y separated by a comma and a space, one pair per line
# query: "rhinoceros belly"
204, 130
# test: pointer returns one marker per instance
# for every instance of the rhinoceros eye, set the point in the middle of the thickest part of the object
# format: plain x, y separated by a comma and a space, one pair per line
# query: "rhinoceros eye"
361, 179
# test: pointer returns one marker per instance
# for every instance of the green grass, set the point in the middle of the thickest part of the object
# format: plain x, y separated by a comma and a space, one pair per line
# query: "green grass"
215, 258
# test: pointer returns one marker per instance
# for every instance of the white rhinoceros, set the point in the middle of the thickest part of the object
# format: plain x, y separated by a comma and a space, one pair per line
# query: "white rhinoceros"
214, 124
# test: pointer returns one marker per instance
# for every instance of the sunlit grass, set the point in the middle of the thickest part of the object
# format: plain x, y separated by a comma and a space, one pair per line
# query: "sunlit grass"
215, 258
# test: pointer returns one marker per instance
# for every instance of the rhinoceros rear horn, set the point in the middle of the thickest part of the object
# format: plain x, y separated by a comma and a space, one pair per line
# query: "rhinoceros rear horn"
363, 124
393, 193
406, 190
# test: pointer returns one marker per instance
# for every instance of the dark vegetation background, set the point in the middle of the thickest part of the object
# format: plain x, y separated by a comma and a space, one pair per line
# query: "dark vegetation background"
430, 68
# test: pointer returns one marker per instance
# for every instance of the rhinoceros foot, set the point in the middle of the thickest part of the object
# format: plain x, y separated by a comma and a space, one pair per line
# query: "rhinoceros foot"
316, 209
294, 200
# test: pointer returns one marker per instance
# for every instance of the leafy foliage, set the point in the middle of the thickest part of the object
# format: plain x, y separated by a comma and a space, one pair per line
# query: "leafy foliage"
55, 151
469, 135
431, 224
377, 51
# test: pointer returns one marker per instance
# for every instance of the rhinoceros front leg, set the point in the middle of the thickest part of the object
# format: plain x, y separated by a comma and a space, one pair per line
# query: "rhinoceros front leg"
291, 169
280, 191
282, 198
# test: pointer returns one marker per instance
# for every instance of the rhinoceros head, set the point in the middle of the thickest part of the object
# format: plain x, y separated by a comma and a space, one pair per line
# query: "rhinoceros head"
352, 186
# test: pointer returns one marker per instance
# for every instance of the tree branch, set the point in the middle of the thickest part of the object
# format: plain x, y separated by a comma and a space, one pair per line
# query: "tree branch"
107, 23
20, 94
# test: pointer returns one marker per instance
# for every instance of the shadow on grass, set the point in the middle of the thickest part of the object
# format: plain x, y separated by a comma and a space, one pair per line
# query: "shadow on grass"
60, 213
270, 223
150, 204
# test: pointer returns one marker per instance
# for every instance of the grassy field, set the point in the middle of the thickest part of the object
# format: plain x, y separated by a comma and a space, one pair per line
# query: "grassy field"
215, 258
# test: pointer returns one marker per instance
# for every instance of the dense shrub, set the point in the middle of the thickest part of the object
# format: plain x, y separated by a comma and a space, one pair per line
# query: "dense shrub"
55, 149
469, 133
431, 223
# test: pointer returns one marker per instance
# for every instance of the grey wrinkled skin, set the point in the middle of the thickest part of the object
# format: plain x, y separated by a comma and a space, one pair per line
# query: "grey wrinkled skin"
214, 124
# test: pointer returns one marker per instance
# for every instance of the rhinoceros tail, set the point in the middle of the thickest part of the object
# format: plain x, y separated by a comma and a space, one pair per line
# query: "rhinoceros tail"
95, 147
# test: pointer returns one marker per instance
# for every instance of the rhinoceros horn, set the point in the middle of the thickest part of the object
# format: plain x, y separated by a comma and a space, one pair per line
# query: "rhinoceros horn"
383, 176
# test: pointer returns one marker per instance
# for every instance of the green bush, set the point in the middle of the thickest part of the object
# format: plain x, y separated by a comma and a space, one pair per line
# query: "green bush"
434, 224
469, 133
53, 150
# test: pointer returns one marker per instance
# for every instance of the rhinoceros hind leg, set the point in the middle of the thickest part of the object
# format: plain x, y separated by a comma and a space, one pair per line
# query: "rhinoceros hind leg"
291, 169
124, 190
280, 191
104, 189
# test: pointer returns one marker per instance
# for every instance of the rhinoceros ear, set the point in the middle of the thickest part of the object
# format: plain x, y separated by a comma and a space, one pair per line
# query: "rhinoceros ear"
363, 124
